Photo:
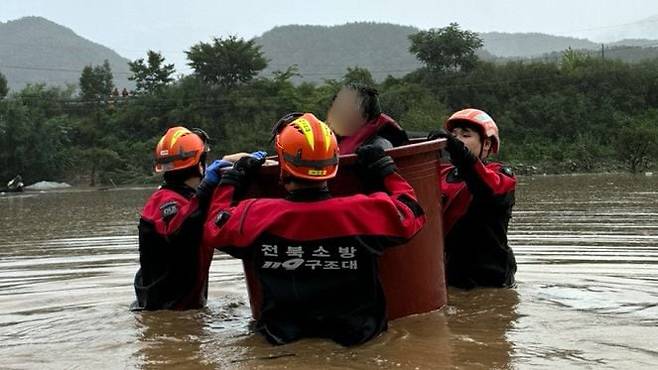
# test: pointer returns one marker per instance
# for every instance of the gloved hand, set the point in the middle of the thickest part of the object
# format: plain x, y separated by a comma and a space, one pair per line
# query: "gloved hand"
438, 134
373, 161
211, 179
260, 155
250, 164
213, 171
243, 169
459, 153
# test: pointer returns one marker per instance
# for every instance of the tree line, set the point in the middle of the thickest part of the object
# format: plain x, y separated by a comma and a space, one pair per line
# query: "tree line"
579, 113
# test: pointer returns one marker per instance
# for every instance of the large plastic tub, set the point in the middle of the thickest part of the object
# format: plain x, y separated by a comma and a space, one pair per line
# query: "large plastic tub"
412, 275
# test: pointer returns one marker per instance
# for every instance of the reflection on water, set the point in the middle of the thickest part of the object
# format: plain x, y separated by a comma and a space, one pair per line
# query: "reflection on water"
587, 248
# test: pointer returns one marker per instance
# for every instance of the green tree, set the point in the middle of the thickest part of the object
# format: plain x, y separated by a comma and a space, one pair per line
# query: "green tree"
414, 106
98, 161
574, 59
95, 88
578, 114
152, 75
96, 83
446, 49
226, 62
359, 75
37, 131
3, 86
636, 142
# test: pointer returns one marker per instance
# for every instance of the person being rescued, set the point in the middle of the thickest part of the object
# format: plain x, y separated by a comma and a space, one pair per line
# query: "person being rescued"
173, 271
356, 117
477, 201
315, 255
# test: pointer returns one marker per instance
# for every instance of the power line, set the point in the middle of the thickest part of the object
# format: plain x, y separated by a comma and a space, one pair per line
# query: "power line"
236, 101
53, 69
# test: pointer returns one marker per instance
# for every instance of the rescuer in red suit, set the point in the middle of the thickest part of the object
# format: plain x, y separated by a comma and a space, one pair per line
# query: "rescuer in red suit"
173, 271
477, 201
315, 255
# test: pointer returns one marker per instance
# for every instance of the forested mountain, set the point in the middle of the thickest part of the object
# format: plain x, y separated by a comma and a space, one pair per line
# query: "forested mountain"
34, 49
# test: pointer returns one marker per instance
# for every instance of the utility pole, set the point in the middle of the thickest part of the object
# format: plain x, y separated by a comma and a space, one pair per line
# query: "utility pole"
602, 51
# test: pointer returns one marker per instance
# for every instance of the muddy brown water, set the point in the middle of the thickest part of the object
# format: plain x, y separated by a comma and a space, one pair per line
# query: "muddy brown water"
587, 294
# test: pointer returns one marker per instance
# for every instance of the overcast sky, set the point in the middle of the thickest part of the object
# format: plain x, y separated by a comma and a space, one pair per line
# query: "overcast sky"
133, 26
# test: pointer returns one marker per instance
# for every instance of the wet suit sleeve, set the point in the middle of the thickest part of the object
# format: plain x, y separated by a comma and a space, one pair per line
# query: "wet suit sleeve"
404, 220
380, 220
224, 225
404, 198
485, 182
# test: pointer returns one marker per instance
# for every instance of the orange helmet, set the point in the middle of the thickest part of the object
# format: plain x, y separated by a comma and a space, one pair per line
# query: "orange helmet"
306, 147
481, 120
180, 148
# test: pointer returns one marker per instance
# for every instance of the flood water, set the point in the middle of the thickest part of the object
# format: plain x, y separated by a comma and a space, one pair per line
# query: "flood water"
587, 294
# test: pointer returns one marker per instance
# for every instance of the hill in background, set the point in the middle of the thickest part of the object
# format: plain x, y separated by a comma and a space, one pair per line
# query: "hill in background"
34, 49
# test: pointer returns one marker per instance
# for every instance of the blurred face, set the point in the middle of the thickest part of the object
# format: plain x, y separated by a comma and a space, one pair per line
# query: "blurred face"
344, 116
472, 140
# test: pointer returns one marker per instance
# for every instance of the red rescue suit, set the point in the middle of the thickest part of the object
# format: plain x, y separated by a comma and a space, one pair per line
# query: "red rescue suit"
477, 203
174, 268
316, 256
381, 131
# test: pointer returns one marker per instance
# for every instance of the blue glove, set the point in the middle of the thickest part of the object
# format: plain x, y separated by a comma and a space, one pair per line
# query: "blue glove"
213, 174
260, 155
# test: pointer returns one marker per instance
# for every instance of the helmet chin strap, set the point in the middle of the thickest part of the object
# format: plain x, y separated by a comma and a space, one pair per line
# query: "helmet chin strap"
482, 157
203, 169
482, 152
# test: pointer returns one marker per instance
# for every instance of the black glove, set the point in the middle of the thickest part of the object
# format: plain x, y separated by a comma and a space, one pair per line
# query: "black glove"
243, 170
438, 134
249, 164
373, 161
459, 153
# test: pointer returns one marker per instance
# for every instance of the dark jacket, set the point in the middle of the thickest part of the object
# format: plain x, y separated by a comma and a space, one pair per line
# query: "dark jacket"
477, 207
316, 256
